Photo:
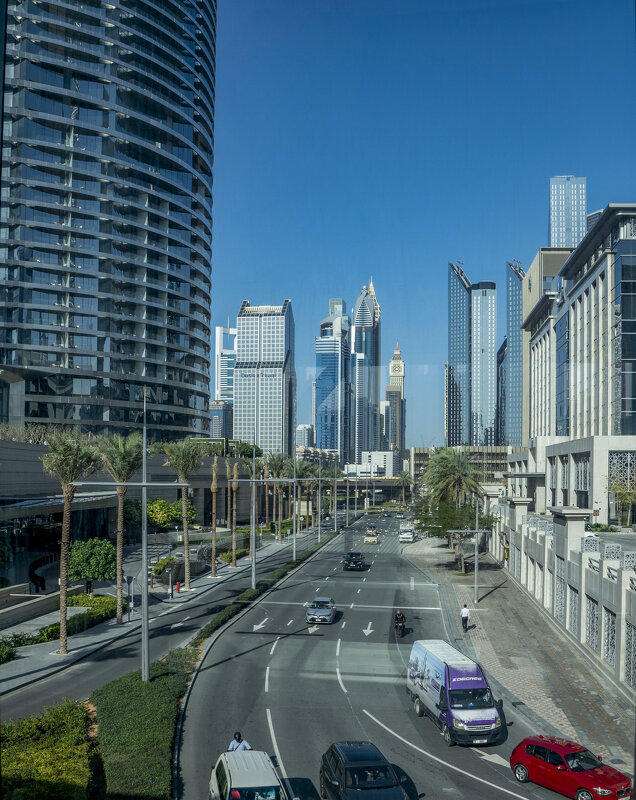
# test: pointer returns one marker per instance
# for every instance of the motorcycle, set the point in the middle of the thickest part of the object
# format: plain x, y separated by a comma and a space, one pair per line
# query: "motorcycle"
399, 627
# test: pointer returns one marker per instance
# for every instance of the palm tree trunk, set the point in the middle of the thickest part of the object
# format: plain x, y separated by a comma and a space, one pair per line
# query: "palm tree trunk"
213, 571
186, 536
119, 577
266, 475
234, 493
68, 492
280, 514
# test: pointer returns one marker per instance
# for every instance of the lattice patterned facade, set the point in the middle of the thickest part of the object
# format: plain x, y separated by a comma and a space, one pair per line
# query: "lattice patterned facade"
609, 636
591, 623
630, 655
573, 610
559, 597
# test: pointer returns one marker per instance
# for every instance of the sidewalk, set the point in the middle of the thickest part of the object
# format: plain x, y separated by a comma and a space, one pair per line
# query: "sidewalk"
34, 662
540, 671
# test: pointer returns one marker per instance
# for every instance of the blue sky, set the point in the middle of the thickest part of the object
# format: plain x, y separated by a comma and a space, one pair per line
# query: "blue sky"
384, 138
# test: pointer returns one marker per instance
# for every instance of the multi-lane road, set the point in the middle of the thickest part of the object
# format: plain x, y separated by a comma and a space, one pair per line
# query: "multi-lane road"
292, 689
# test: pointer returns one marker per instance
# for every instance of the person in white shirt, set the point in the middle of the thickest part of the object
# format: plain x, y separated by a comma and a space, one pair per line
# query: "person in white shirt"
238, 743
465, 615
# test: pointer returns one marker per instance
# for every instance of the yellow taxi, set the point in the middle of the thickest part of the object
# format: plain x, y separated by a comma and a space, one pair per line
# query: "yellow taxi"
371, 537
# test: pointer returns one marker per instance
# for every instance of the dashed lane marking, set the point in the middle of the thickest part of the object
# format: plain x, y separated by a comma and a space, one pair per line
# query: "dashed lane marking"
271, 652
267, 679
281, 767
343, 624
412, 582
338, 649
446, 764
290, 622
342, 686
358, 592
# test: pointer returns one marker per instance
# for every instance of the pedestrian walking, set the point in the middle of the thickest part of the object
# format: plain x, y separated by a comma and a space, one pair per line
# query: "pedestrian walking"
238, 743
465, 615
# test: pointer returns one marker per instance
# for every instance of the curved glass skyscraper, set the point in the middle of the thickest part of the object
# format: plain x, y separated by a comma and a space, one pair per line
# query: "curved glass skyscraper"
106, 227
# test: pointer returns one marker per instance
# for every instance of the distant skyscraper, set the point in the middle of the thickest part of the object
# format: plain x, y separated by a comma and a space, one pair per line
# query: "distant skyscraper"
265, 377
332, 387
221, 417
514, 357
366, 357
224, 363
471, 375
395, 397
568, 210
304, 436
500, 420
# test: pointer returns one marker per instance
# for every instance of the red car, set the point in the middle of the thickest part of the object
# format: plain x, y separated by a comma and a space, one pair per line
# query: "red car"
567, 768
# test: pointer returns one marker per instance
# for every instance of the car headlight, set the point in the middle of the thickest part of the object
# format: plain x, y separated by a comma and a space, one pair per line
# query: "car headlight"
602, 791
459, 724
498, 722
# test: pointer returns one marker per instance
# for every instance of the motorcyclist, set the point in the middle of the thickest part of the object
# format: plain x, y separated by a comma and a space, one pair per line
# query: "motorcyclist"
238, 743
399, 618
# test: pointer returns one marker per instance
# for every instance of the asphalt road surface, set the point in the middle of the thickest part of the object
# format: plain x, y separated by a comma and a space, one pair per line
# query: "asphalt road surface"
292, 689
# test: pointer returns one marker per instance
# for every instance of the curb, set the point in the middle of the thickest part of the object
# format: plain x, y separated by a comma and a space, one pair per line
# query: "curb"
210, 642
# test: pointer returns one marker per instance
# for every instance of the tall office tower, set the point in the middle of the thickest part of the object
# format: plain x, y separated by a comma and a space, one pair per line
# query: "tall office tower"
332, 387
514, 398
568, 211
265, 377
395, 397
500, 419
458, 367
221, 414
483, 363
106, 223
224, 363
366, 354
471, 376
304, 436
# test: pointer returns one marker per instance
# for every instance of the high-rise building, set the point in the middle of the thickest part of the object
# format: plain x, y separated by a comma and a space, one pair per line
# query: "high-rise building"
500, 421
106, 223
224, 363
265, 377
221, 416
332, 388
396, 430
366, 355
568, 211
593, 217
513, 415
471, 374
304, 436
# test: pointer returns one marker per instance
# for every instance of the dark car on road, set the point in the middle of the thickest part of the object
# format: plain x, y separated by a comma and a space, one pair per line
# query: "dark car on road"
348, 768
354, 560
568, 768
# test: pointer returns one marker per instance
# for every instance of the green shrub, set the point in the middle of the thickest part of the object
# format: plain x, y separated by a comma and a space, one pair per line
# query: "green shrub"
161, 565
227, 556
19, 639
46, 756
7, 652
136, 723
100, 609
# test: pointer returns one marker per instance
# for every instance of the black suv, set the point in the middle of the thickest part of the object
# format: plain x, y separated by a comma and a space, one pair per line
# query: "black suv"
353, 560
349, 767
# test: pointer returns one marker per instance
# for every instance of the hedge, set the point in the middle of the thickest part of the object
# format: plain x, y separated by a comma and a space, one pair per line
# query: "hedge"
100, 609
227, 556
136, 723
7, 652
47, 756
161, 565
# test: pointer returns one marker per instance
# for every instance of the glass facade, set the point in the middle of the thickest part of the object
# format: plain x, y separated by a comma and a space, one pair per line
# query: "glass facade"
514, 357
568, 210
366, 376
483, 363
458, 371
562, 376
106, 226
265, 377
625, 341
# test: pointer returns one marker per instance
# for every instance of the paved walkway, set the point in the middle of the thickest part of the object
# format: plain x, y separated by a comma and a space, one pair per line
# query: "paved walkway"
540, 671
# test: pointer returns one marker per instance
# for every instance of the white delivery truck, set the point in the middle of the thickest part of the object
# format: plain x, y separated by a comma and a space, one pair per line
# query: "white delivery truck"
406, 535
452, 689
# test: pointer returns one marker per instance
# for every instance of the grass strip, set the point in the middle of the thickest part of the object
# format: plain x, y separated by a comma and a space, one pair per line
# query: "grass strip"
46, 756
136, 724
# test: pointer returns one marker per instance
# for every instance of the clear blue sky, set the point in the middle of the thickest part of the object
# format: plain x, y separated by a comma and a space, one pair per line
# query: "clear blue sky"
386, 138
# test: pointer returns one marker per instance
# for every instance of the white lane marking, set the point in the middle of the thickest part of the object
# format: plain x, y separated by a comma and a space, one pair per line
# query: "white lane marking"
271, 652
363, 580
342, 686
338, 649
441, 761
335, 568
290, 622
368, 630
412, 582
343, 624
281, 767
358, 592
318, 589
327, 578
267, 679
313, 628
351, 606
260, 625
494, 757
176, 624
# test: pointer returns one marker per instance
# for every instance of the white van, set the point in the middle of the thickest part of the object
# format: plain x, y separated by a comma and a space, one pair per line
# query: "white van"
245, 775
407, 535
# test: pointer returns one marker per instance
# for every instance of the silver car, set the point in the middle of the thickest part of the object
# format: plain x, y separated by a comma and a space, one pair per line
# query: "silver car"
321, 611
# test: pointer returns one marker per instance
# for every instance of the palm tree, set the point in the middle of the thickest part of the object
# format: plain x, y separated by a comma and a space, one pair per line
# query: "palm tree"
214, 488
235, 487
266, 476
277, 463
184, 457
70, 458
304, 474
332, 473
121, 456
228, 492
404, 479
451, 477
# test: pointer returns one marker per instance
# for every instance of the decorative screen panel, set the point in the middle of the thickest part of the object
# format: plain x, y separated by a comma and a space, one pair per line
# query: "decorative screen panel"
621, 470
564, 471
591, 622
573, 610
517, 563
582, 472
630, 655
559, 598
609, 636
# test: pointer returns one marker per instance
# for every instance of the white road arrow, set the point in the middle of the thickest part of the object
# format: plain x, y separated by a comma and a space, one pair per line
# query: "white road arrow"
367, 630
260, 625
313, 628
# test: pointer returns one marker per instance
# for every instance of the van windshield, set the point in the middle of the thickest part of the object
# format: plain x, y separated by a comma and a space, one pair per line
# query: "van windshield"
470, 698
258, 793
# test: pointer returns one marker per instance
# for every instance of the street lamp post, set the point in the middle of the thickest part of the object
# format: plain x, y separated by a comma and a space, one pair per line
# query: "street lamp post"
319, 497
347, 511
335, 502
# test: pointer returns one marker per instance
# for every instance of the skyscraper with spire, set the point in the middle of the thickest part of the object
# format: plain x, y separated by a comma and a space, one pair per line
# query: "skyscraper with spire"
396, 429
366, 354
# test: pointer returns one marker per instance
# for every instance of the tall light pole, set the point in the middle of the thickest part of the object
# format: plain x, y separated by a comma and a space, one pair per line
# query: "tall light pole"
319, 493
335, 501
294, 507
347, 511
253, 531
145, 657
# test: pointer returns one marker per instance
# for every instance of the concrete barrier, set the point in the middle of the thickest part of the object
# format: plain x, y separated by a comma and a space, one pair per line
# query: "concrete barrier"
36, 607
12, 595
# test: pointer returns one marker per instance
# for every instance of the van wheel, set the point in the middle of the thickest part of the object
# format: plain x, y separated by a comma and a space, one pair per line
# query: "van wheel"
521, 773
323, 793
584, 794
448, 739
419, 708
